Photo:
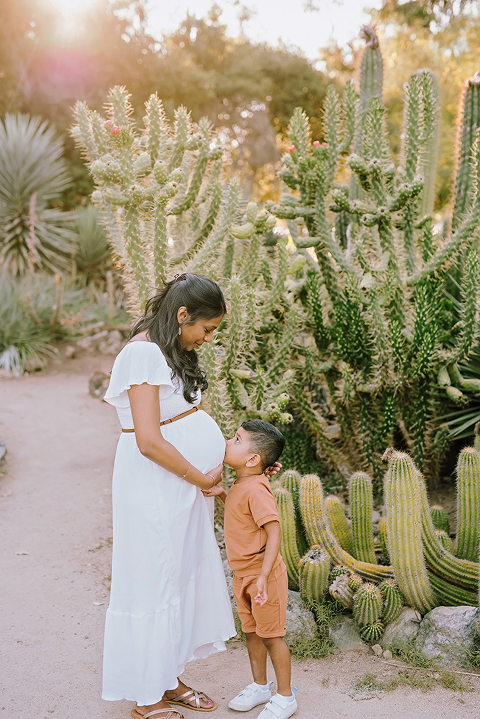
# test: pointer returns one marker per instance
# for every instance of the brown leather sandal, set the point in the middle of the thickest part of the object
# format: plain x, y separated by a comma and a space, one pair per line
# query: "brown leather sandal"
184, 701
158, 714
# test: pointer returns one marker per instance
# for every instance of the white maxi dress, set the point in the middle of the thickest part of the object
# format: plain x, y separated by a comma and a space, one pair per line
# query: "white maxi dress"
169, 602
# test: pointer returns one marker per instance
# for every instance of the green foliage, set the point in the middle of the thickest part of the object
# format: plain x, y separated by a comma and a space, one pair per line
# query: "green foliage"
93, 255
32, 175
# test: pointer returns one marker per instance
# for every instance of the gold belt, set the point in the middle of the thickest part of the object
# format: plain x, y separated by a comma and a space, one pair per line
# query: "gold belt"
169, 421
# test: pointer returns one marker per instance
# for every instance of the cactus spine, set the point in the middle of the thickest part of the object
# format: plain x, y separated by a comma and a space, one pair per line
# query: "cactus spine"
382, 538
468, 504
315, 521
469, 122
361, 505
440, 518
338, 523
367, 605
314, 569
355, 582
288, 543
392, 600
402, 500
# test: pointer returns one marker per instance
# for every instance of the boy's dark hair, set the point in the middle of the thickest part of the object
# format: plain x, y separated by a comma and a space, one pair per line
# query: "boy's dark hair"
265, 440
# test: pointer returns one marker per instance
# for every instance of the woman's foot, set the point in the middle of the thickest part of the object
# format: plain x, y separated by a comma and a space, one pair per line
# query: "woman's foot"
162, 707
205, 702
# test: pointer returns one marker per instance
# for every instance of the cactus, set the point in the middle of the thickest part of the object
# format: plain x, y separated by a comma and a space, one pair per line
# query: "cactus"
382, 538
338, 523
291, 481
445, 540
450, 595
367, 604
468, 504
404, 527
355, 582
392, 600
315, 521
469, 121
372, 632
314, 569
338, 570
361, 505
340, 591
440, 518
288, 543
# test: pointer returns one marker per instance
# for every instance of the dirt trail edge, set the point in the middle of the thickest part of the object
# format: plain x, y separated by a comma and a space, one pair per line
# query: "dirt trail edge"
55, 523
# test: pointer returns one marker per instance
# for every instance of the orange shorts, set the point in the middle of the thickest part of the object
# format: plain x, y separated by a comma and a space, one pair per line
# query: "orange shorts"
267, 620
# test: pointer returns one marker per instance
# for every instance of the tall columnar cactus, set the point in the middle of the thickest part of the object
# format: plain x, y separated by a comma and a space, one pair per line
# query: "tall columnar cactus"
440, 518
404, 526
361, 506
468, 124
382, 538
288, 543
290, 479
367, 604
376, 304
468, 504
392, 600
338, 523
314, 570
312, 507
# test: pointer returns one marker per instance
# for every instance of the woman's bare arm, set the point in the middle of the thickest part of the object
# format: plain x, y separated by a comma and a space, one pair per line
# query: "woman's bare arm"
146, 421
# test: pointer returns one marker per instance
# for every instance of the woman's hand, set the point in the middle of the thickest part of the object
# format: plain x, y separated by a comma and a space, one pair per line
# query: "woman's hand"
216, 474
270, 471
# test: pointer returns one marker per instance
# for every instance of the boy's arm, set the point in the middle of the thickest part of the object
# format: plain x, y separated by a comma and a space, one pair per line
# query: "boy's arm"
217, 491
271, 553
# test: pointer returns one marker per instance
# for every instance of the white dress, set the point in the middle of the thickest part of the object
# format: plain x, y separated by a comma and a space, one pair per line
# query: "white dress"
169, 602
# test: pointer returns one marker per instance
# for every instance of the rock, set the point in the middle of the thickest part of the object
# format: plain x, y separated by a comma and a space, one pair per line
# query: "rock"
3, 452
447, 633
98, 384
403, 629
91, 343
387, 654
346, 636
300, 621
70, 352
113, 344
376, 516
377, 650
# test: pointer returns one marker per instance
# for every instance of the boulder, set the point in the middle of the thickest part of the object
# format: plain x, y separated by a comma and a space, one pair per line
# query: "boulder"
345, 634
403, 629
3, 452
447, 633
112, 344
300, 621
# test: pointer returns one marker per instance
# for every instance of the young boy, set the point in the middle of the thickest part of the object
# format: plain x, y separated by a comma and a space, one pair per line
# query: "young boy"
252, 540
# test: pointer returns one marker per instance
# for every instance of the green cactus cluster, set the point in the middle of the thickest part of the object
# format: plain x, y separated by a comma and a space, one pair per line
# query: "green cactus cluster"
392, 600
367, 604
361, 507
314, 570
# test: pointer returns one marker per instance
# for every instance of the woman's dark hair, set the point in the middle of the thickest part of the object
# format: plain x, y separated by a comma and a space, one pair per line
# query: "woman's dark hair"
204, 300
265, 439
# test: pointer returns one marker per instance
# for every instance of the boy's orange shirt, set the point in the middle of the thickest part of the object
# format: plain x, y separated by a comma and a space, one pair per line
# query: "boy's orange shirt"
248, 506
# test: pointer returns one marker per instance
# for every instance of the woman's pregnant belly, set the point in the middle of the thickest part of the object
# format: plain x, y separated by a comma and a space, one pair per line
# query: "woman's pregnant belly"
199, 438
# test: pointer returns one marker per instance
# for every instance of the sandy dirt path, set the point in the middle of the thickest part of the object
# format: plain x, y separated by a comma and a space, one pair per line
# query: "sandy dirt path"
55, 523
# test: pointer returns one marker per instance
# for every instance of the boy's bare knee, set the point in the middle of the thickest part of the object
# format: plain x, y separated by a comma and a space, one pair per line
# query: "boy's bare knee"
271, 642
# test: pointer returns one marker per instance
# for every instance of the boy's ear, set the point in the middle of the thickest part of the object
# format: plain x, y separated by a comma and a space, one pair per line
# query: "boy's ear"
254, 460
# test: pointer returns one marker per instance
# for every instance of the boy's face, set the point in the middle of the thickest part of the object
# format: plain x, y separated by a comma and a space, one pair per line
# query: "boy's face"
238, 452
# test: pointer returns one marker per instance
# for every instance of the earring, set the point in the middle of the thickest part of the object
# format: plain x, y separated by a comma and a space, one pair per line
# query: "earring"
179, 330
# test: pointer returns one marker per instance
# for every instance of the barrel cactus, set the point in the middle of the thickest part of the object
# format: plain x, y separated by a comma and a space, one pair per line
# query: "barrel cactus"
314, 570
440, 518
367, 604
372, 632
340, 591
392, 600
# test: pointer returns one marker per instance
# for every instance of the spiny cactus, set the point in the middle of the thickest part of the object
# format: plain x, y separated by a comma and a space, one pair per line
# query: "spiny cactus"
314, 569
469, 122
340, 591
440, 518
367, 604
361, 506
372, 632
468, 504
392, 600
339, 524
404, 526
288, 543
314, 517
338, 570
290, 479
382, 538
354, 582
445, 541
450, 595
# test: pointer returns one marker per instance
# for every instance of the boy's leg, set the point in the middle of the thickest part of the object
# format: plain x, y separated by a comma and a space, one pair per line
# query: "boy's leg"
257, 654
280, 656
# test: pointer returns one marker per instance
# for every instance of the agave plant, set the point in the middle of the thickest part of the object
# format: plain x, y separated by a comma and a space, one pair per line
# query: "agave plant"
93, 256
32, 175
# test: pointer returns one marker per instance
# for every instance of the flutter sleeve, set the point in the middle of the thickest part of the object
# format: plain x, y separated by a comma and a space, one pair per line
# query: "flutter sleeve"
139, 363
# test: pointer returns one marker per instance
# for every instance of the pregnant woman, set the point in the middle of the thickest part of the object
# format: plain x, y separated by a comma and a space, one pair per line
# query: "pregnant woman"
169, 602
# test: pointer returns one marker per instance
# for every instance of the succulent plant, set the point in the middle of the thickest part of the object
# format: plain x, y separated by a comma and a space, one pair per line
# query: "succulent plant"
361, 506
392, 600
468, 504
314, 570
372, 632
338, 523
340, 591
288, 543
367, 604
440, 518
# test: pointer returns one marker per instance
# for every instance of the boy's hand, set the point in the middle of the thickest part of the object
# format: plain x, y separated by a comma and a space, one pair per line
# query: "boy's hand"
216, 491
273, 469
262, 593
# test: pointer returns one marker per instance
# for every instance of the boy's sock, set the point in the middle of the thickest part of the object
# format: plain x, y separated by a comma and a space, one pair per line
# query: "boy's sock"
292, 698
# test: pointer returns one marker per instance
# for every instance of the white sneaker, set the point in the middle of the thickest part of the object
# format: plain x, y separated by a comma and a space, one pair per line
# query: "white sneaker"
250, 697
279, 707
